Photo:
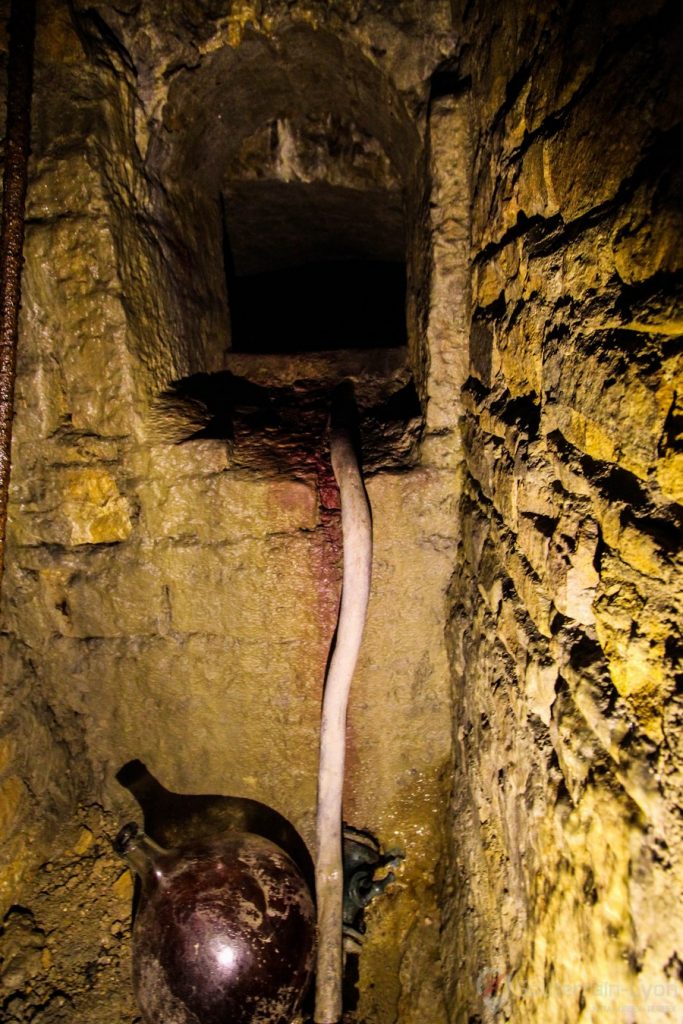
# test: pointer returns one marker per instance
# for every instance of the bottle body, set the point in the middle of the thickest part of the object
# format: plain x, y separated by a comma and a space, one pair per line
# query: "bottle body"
225, 931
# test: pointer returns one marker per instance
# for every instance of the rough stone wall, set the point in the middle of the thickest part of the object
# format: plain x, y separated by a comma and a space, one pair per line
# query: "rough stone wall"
567, 845
160, 605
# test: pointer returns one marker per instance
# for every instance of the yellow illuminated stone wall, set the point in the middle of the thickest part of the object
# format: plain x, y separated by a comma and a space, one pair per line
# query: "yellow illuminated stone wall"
160, 604
565, 631
515, 719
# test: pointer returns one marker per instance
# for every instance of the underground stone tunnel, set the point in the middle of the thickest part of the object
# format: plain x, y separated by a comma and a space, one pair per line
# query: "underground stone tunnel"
470, 212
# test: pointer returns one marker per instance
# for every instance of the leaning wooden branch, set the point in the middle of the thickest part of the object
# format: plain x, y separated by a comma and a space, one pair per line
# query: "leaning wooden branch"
17, 144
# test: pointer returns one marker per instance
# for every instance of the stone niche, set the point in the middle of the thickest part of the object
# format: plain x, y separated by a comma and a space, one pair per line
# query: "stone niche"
288, 168
288, 171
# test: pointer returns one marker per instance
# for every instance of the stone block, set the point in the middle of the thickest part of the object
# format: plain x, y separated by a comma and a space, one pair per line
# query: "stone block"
511, 633
521, 356
670, 476
646, 236
587, 164
534, 193
540, 680
75, 592
120, 598
632, 625
489, 283
609, 403
40, 403
635, 547
534, 594
490, 575
474, 532
571, 573
249, 589
482, 451
505, 489
73, 506
537, 483
161, 458
214, 508
71, 288
483, 363
534, 544
60, 186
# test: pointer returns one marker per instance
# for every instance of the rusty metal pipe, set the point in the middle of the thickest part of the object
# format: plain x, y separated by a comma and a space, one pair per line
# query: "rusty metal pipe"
17, 147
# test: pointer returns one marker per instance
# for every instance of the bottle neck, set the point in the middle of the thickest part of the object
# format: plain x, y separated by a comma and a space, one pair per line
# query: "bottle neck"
142, 854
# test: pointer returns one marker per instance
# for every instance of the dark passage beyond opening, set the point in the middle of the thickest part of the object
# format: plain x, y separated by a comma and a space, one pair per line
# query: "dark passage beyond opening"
346, 304
313, 267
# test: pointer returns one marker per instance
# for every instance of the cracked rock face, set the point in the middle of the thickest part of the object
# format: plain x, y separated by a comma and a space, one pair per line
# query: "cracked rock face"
565, 634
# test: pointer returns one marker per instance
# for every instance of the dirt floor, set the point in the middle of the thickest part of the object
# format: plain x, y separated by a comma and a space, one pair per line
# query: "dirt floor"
65, 950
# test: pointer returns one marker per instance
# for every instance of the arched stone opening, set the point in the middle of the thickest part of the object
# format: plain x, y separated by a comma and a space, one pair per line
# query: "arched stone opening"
287, 168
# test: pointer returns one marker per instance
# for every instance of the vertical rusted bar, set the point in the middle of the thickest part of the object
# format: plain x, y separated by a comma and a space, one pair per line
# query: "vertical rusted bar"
17, 144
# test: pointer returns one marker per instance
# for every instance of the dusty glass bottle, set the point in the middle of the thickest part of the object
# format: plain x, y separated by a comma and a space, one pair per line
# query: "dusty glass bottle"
225, 930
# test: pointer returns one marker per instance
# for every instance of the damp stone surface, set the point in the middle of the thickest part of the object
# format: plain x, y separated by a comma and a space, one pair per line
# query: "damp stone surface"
515, 721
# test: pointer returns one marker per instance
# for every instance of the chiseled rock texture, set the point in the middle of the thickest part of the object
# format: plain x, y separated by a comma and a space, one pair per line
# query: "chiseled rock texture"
567, 845
515, 718
160, 604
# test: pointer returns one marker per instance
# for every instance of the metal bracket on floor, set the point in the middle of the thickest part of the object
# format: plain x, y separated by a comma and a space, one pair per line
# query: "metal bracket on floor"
364, 864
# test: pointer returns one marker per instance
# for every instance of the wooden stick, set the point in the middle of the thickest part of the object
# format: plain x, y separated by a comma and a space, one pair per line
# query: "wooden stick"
357, 540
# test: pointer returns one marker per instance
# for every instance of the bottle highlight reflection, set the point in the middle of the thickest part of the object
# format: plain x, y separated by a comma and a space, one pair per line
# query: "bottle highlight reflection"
225, 930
